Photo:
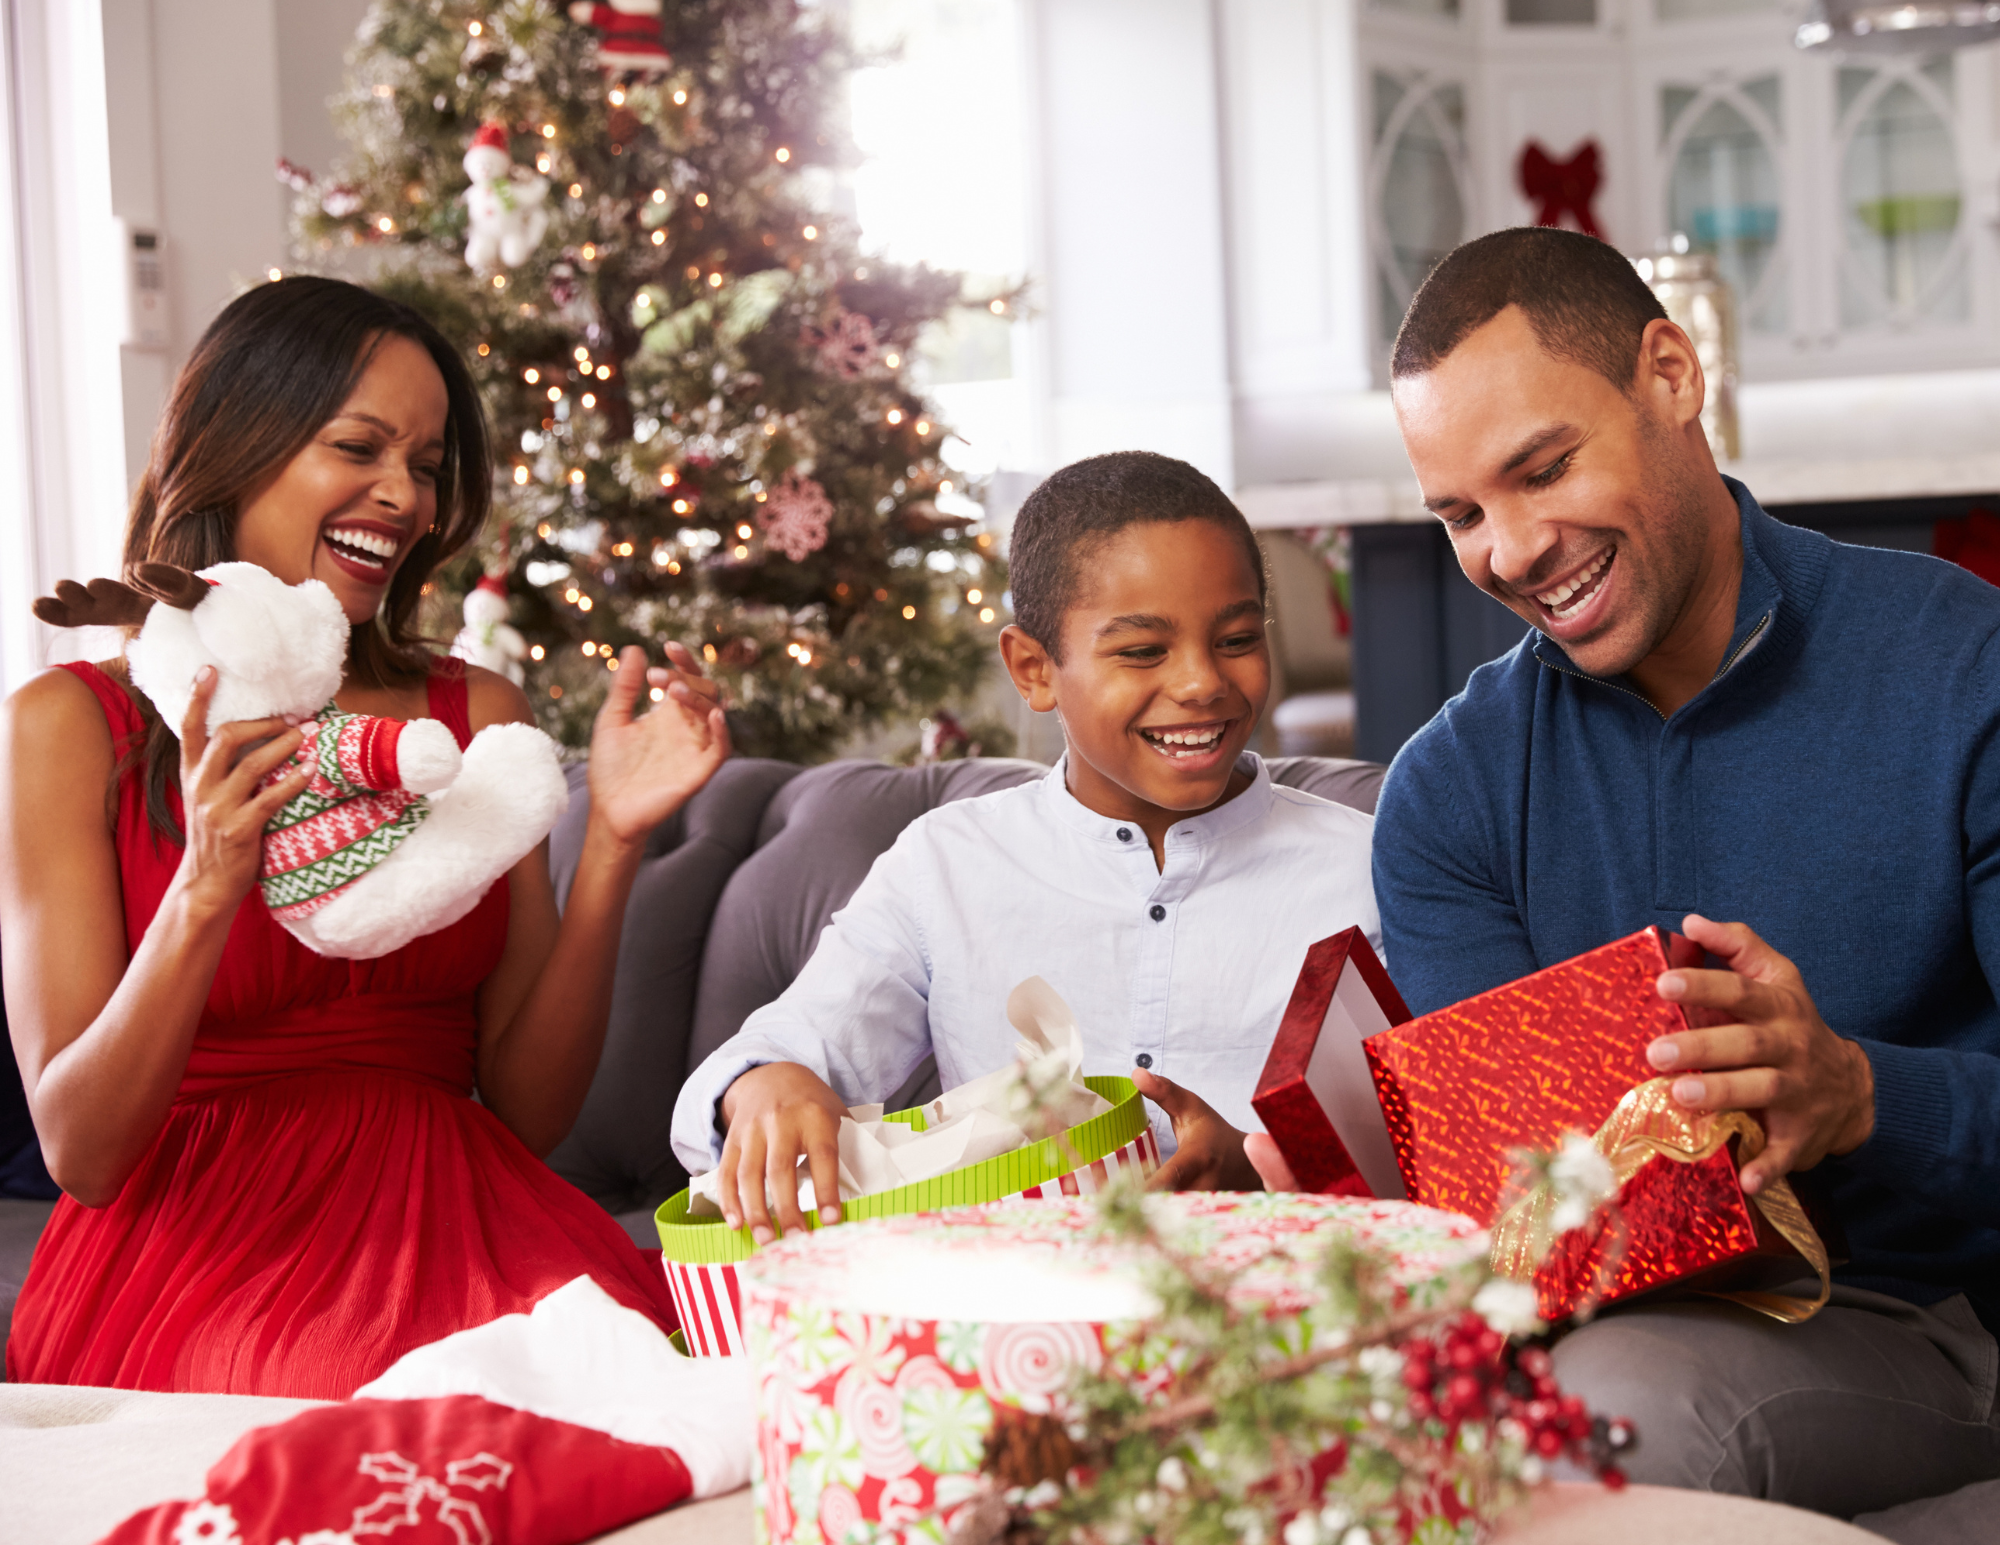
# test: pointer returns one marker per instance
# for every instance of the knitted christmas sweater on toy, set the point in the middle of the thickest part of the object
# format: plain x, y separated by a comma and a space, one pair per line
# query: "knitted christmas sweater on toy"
352, 815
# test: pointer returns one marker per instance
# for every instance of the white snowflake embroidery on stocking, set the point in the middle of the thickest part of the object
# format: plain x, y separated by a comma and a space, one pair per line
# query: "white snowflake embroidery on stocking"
207, 1523
402, 1506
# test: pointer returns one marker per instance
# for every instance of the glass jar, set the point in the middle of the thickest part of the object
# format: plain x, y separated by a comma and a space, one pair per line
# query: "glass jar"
1699, 301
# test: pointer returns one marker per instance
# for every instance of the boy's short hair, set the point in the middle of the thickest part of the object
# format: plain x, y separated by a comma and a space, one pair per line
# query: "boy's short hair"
1087, 503
1584, 300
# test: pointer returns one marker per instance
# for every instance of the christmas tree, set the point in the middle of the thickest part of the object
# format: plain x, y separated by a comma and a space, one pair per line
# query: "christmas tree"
706, 426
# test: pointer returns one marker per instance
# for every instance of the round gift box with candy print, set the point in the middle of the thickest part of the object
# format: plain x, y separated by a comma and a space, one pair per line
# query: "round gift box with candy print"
702, 1254
885, 1352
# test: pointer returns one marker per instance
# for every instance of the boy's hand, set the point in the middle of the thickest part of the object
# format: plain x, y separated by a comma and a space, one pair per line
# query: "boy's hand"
775, 1113
1210, 1153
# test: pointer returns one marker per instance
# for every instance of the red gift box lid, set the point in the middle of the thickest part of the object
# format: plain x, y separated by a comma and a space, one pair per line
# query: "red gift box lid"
1316, 1096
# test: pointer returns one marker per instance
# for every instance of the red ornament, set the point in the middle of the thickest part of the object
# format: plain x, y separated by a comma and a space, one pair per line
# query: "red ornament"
1563, 188
1972, 543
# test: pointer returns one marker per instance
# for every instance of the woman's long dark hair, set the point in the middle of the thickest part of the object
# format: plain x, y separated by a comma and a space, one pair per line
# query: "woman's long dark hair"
272, 368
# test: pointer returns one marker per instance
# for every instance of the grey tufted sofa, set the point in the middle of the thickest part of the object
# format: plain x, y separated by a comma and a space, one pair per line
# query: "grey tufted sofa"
728, 906
730, 899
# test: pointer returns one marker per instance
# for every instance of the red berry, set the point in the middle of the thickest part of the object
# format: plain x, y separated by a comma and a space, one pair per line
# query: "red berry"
1547, 1444
1422, 1407
1613, 1478
1536, 1362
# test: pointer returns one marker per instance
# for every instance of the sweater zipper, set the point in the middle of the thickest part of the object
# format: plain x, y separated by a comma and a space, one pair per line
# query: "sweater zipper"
1727, 665
1746, 646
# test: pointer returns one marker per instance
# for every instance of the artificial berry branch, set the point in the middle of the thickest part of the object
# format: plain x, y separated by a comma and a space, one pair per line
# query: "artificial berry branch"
1402, 1410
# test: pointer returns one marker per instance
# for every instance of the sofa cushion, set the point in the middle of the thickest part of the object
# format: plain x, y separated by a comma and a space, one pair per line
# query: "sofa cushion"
820, 836
1345, 782
618, 1152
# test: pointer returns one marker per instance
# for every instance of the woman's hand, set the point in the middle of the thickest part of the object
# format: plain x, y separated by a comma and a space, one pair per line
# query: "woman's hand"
775, 1113
223, 805
1208, 1154
644, 768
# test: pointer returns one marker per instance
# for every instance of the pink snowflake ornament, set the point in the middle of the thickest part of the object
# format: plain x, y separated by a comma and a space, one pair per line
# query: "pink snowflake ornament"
848, 348
795, 516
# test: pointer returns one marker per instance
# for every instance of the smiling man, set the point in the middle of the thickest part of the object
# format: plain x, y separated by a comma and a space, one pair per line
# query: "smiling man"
1718, 716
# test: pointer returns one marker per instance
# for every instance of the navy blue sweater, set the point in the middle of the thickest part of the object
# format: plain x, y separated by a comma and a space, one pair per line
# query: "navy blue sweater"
1836, 787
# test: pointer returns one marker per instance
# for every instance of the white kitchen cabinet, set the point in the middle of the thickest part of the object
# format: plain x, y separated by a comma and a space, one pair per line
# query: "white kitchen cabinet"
1852, 202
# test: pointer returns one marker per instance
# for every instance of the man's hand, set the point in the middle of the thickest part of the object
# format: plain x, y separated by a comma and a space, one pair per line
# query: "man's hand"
775, 1113
1209, 1152
1814, 1090
1261, 1149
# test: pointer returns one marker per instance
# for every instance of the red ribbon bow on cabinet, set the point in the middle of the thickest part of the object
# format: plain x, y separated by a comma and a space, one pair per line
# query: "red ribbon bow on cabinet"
1560, 188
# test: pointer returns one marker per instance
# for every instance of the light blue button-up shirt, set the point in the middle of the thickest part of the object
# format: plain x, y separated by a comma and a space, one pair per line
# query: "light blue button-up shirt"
1189, 964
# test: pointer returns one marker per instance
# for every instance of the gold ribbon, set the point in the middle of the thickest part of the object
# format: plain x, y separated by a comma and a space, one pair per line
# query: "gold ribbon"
1648, 1124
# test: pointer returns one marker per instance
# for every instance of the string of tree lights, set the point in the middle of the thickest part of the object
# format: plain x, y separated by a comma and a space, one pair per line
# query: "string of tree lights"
701, 388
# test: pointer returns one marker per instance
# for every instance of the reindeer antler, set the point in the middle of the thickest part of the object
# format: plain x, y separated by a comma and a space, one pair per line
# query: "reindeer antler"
176, 586
103, 603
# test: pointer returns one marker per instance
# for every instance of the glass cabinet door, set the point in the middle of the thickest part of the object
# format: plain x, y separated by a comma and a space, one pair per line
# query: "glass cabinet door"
1720, 145
1416, 185
1903, 242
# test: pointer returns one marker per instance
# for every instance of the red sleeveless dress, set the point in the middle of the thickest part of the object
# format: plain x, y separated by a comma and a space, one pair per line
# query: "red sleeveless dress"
324, 1195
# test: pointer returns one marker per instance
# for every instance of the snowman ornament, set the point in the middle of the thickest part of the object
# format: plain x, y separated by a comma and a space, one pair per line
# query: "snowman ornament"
504, 202
488, 639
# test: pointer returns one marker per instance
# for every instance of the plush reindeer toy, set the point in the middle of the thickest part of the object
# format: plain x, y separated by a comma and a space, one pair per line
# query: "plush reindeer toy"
398, 834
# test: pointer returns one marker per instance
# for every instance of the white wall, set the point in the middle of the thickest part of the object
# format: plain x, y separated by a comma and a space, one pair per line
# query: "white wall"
1132, 345
313, 37
194, 139
1298, 249
1201, 253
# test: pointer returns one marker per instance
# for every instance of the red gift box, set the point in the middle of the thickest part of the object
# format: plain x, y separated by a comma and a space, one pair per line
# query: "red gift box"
1521, 1066
1316, 1096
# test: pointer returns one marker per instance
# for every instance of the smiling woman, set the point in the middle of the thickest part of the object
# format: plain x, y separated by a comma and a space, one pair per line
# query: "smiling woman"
315, 424
345, 507
277, 1180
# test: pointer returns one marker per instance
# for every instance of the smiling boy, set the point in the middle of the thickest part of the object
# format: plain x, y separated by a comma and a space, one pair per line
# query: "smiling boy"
1157, 878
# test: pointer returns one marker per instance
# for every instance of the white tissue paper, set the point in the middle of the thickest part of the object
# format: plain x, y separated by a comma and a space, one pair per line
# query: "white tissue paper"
979, 1120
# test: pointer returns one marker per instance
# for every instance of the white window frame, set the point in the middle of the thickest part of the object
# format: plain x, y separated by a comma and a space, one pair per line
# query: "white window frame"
62, 443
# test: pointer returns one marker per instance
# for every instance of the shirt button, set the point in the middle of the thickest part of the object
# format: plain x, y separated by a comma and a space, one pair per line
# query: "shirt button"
1144, 1059
1124, 834
1157, 913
